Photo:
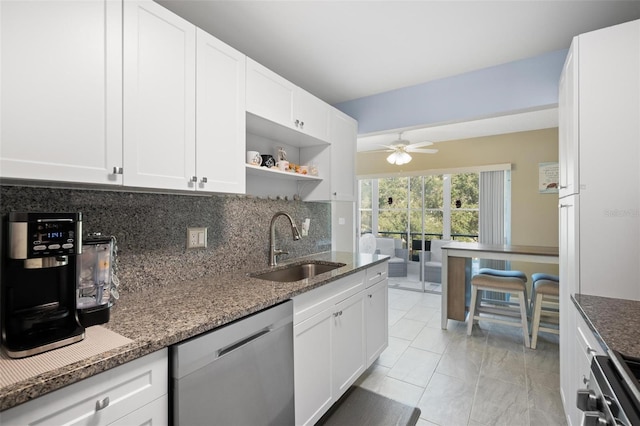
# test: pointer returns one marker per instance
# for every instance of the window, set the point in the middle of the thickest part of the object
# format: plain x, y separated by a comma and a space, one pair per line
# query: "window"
465, 206
416, 209
408, 207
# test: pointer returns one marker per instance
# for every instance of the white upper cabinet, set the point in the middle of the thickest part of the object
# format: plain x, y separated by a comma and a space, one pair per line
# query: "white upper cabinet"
128, 93
220, 116
271, 97
61, 82
336, 164
344, 131
159, 97
310, 114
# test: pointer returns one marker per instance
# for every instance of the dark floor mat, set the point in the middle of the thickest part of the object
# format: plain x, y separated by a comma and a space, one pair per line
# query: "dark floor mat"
359, 406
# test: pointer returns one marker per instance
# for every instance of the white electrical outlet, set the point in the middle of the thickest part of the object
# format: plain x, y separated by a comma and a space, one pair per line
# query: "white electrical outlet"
305, 227
196, 238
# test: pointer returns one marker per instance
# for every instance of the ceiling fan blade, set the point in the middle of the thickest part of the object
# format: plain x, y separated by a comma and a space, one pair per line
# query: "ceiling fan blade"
375, 148
423, 150
378, 150
421, 144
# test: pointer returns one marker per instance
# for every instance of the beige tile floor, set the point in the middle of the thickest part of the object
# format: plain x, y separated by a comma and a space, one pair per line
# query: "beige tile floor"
488, 378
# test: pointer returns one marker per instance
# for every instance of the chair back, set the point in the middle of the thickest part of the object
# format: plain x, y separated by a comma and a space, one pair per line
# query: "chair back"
386, 246
436, 249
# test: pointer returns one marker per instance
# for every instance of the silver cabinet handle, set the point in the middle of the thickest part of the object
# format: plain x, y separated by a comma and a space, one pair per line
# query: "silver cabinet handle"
297, 123
117, 170
337, 314
194, 178
564, 206
370, 295
302, 124
102, 404
204, 179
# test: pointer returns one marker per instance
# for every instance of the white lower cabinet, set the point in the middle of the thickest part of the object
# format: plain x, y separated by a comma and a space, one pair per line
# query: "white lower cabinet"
339, 330
348, 352
586, 347
581, 348
312, 366
135, 393
376, 316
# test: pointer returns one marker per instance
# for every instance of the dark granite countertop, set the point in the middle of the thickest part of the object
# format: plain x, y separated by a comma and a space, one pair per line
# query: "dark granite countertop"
615, 321
172, 312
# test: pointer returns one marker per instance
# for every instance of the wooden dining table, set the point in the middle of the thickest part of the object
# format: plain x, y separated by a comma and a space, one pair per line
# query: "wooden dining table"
456, 270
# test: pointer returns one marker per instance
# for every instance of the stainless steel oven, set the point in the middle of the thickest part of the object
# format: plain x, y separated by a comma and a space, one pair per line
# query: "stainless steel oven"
612, 396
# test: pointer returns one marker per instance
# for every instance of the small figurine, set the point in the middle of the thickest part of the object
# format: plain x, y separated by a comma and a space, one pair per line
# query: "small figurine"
282, 154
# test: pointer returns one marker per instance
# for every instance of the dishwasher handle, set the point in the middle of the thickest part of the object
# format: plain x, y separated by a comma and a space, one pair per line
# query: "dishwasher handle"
191, 355
242, 342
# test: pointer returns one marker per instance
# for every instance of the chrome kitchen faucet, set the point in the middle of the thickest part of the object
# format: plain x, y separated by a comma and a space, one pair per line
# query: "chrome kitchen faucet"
273, 252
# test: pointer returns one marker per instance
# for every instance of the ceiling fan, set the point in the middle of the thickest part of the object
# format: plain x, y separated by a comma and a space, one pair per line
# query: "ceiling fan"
401, 148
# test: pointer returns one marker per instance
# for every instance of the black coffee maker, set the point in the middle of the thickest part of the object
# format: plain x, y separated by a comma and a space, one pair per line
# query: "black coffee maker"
40, 269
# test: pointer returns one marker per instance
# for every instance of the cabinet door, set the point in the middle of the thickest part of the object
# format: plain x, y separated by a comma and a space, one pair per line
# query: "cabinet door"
609, 66
61, 103
348, 343
269, 95
312, 366
569, 277
343, 156
376, 320
336, 163
159, 97
311, 115
568, 128
220, 116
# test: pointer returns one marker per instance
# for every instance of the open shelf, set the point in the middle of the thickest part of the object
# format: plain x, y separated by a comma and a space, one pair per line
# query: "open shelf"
277, 174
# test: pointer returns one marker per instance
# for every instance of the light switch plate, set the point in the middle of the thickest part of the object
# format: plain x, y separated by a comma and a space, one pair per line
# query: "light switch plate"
196, 238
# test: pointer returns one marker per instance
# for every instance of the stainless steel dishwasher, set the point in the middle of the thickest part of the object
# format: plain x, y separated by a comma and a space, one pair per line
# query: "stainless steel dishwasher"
239, 374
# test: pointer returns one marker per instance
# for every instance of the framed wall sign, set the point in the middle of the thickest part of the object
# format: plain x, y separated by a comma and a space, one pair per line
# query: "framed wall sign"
548, 174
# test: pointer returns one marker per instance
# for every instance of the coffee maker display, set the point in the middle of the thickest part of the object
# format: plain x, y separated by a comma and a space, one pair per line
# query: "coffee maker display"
40, 268
97, 286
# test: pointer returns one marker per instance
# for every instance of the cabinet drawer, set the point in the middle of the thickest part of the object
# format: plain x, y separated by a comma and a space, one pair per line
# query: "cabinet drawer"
127, 388
310, 303
377, 273
587, 343
153, 414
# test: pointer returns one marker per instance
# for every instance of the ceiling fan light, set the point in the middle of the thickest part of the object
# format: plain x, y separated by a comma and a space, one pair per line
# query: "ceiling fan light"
399, 158
403, 158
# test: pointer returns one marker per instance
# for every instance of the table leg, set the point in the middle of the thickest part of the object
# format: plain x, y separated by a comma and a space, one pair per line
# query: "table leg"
444, 279
457, 288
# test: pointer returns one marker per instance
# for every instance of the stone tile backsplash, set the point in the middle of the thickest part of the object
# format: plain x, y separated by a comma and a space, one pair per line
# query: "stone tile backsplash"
151, 229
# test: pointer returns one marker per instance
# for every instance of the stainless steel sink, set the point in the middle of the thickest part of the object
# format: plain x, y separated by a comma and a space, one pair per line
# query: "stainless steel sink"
297, 271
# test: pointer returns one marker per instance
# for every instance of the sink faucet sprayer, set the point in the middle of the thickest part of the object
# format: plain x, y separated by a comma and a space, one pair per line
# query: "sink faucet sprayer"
273, 252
